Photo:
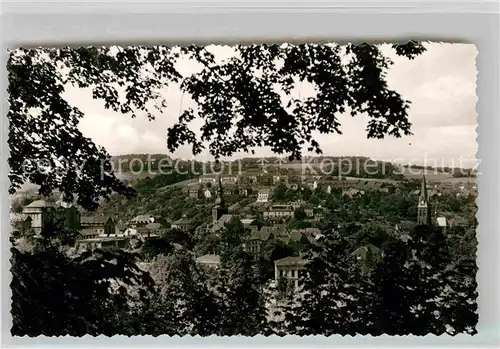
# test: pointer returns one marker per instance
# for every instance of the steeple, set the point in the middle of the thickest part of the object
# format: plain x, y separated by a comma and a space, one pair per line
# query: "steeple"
219, 209
423, 191
423, 209
219, 200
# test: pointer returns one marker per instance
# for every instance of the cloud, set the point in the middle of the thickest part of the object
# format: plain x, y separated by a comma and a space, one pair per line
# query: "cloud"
440, 84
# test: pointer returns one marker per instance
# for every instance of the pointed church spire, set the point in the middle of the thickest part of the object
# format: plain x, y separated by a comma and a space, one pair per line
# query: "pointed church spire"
219, 209
219, 200
423, 209
423, 191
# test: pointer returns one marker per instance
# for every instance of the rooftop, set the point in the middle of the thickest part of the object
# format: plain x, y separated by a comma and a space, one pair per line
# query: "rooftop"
208, 259
40, 204
104, 239
153, 226
141, 218
291, 261
182, 221
441, 221
88, 232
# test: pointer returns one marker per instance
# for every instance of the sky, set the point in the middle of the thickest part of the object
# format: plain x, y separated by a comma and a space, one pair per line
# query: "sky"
440, 83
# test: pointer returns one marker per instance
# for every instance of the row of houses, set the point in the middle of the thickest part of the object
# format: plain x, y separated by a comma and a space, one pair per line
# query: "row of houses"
258, 238
35, 216
199, 191
311, 181
94, 231
277, 212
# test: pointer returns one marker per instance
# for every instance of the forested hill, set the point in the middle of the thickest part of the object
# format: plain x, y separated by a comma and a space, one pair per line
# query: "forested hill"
133, 162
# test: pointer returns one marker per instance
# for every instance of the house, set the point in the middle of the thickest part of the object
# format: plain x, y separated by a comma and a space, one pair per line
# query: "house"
230, 189
297, 237
263, 195
256, 240
100, 224
207, 178
442, 222
265, 179
141, 220
244, 191
280, 179
278, 212
182, 224
221, 222
37, 212
320, 212
155, 229
251, 179
458, 221
120, 227
247, 221
234, 207
139, 232
229, 180
87, 233
352, 192
309, 210
277, 229
209, 260
367, 256
194, 191
365, 252
207, 193
405, 226
297, 204
289, 269
252, 228
307, 231
373, 185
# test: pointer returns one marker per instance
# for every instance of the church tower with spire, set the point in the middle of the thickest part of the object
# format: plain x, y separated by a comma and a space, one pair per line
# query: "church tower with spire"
423, 209
220, 207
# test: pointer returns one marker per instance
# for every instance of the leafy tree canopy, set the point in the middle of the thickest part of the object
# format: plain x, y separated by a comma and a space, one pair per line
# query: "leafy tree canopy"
239, 100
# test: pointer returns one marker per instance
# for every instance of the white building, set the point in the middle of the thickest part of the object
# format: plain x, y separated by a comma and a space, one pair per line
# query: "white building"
36, 211
289, 268
263, 195
229, 180
209, 260
277, 212
208, 178
141, 220
441, 222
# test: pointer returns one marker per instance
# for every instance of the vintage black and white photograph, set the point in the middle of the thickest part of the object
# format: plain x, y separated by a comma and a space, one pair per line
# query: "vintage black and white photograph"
244, 189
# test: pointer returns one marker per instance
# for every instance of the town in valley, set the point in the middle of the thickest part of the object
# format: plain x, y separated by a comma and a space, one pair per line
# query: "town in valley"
281, 209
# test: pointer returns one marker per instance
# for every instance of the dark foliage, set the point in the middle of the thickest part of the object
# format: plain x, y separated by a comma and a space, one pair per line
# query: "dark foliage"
44, 126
